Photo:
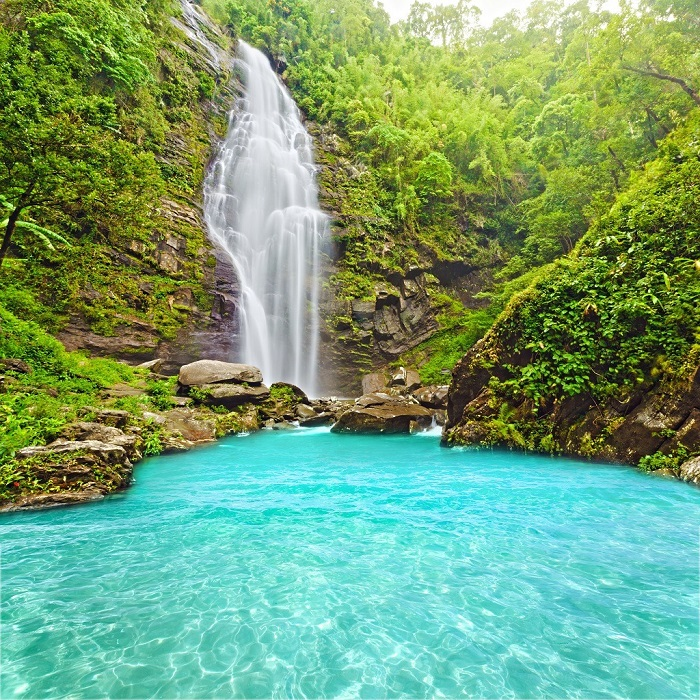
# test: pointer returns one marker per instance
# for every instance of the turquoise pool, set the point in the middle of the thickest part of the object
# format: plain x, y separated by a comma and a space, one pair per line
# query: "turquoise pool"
305, 564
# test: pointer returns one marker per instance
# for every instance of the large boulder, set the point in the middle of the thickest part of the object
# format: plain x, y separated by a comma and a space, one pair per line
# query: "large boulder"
432, 396
232, 395
371, 383
385, 418
205, 372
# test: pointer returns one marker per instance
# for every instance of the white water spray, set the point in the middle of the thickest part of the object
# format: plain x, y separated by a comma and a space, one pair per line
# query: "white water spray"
261, 205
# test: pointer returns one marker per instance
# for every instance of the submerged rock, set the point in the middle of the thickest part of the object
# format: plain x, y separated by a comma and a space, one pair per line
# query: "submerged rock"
205, 372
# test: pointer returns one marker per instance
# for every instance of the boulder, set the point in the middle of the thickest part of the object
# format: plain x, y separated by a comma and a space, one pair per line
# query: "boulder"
152, 365
413, 381
304, 412
192, 429
385, 418
12, 364
432, 396
317, 419
371, 383
231, 395
398, 378
690, 471
205, 372
295, 390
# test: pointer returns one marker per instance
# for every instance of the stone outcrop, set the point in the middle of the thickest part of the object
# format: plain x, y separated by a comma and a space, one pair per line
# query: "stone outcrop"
205, 372
75, 471
432, 396
655, 418
382, 413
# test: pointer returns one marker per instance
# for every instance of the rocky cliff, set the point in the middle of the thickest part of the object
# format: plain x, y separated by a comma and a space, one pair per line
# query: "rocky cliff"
174, 295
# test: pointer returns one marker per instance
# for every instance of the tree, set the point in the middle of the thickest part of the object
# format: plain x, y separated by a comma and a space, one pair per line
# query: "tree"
59, 151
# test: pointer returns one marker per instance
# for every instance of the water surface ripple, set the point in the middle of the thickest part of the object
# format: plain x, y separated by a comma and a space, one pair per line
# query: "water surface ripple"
305, 564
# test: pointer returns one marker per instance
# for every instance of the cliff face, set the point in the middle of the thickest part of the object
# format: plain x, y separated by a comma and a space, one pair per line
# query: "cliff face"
659, 418
174, 294
600, 356
387, 290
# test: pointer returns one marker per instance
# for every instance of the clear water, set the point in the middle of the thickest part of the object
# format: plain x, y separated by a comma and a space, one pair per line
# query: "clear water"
306, 564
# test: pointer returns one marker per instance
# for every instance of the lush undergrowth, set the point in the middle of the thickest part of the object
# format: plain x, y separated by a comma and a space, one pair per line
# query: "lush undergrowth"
50, 387
102, 123
626, 305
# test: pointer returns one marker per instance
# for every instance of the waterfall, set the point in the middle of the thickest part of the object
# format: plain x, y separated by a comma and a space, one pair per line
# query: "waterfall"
261, 205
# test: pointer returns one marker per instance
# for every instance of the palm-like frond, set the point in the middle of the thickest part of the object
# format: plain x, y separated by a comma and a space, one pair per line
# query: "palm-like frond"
43, 234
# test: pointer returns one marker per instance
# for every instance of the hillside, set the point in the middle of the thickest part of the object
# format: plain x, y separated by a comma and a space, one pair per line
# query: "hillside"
601, 355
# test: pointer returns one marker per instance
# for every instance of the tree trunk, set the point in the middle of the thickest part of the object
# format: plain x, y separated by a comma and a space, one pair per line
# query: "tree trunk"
9, 230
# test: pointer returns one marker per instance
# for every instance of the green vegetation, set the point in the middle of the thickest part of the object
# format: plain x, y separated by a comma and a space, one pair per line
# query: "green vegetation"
556, 153
626, 305
102, 120
517, 136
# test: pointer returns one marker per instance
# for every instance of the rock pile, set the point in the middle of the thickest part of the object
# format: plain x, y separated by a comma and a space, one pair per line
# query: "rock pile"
227, 384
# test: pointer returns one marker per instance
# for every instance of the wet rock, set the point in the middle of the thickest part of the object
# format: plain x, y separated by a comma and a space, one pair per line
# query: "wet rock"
385, 418
153, 365
690, 471
432, 396
232, 395
205, 372
373, 382
11, 364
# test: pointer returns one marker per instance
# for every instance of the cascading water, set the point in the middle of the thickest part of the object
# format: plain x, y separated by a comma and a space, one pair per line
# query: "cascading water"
261, 205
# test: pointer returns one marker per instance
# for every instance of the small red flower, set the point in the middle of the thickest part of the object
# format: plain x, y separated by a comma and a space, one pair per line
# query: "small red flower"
16, 484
